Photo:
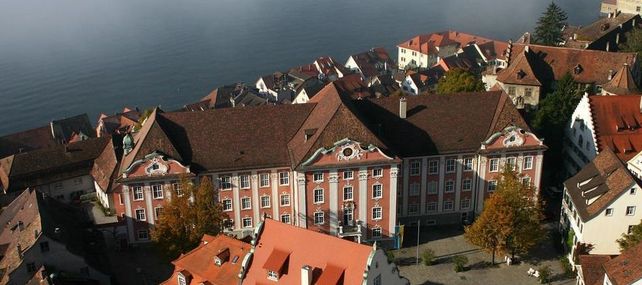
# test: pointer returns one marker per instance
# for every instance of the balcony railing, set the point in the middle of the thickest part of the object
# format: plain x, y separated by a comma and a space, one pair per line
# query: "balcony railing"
350, 230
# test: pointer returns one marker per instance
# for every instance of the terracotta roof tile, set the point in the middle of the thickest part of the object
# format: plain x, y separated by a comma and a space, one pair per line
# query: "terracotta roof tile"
592, 270
617, 124
626, 268
622, 83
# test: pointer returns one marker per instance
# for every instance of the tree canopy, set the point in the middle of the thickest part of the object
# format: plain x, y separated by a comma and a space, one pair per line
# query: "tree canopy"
629, 240
192, 212
549, 26
459, 80
633, 41
510, 221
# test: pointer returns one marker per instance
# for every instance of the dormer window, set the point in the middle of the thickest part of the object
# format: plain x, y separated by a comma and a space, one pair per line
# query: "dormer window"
521, 74
578, 69
272, 275
222, 257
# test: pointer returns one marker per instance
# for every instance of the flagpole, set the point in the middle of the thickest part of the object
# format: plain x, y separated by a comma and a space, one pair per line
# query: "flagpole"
418, 231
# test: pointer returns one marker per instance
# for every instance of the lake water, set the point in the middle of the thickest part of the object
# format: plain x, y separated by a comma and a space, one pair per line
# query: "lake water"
63, 57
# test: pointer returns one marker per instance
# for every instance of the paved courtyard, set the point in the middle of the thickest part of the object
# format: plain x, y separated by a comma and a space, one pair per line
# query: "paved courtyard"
449, 241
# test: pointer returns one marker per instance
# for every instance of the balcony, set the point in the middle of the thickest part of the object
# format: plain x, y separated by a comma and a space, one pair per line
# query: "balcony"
353, 231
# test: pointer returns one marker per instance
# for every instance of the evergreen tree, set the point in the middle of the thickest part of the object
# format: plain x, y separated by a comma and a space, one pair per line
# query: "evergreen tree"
459, 80
630, 240
549, 26
633, 41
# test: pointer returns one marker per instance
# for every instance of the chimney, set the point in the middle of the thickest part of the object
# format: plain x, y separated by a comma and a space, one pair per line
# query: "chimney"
610, 74
306, 275
403, 107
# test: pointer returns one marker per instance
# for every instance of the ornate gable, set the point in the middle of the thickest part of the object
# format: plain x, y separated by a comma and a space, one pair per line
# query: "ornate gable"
512, 137
346, 151
155, 164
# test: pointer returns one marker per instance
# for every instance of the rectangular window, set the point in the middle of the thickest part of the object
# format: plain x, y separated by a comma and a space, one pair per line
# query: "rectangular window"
247, 222
511, 162
265, 201
630, 210
377, 280
609, 212
431, 207
319, 218
511, 90
432, 187
348, 175
318, 196
414, 189
318, 177
285, 218
157, 191
246, 203
227, 205
413, 209
632, 191
140, 215
285, 200
245, 181
157, 212
630, 230
449, 186
450, 165
120, 198
272, 275
468, 164
376, 233
377, 172
415, 167
492, 185
448, 205
467, 184
226, 182
377, 213
138, 193
464, 204
44, 246
377, 191
526, 181
433, 167
494, 165
528, 162
284, 178
264, 180
528, 92
347, 193
178, 188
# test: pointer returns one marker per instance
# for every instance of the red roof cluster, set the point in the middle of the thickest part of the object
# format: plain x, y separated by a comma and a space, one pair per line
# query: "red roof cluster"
617, 124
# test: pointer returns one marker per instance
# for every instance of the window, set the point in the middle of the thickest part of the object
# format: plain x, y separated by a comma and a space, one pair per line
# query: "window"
467, 184
347, 193
431, 207
494, 165
377, 172
377, 191
318, 196
285, 200
226, 182
528, 92
377, 213
526, 181
608, 212
630, 230
157, 212
245, 181
511, 162
492, 185
265, 201
246, 203
413, 209
138, 193
632, 191
448, 205
377, 280
178, 188
450, 186
247, 222
157, 191
44, 246
143, 235
464, 204
140, 215
120, 198
637, 8
415, 167
31, 267
528, 162
318, 177
433, 167
285, 218
181, 279
630, 210
414, 189
468, 164
227, 205
264, 180
272, 275
376, 232
450, 165
511, 90
284, 178
319, 218
432, 187
348, 175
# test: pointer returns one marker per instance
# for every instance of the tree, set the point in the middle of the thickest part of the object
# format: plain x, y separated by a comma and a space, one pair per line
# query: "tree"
183, 222
459, 262
631, 239
549, 26
459, 80
510, 221
633, 41
428, 256
545, 274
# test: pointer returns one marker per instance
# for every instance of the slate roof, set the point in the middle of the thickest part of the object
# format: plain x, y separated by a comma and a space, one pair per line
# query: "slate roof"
221, 98
616, 121
105, 167
598, 184
626, 268
119, 123
596, 30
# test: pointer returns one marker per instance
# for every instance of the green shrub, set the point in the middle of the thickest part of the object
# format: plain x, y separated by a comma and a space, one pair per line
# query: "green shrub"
568, 268
391, 256
545, 274
428, 256
460, 262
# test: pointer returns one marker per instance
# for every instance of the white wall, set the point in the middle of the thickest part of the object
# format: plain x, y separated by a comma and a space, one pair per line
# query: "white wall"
65, 189
379, 266
581, 124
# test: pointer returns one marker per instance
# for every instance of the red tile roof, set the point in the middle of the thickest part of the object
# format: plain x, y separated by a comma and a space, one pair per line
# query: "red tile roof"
324, 253
622, 83
592, 270
617, 124
199, 263
626, 268
427, 43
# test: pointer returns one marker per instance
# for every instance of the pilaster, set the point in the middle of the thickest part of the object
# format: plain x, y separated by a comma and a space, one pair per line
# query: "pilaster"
238, 224
148, 204
333, 178
363, 195
128, 213
302, 213
460, 169
276, 200
394, 173
424, 182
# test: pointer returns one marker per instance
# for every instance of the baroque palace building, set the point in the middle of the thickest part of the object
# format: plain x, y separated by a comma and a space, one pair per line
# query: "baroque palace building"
350, 168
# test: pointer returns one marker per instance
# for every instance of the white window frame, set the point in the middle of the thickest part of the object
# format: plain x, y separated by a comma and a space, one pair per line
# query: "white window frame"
261, 180
433, 165
243, 203
154, 189
178, 188
283, 218
463, 185
493, 165
512, 162
452, 206
468, 164
348, 187
281, 197
414, 189
377, 172
138, 189
432, 187
374, 192
317, 177
244, 181
348, 175
284, 178
142, 217
225, 182
609, 212
244, 220
528, 162
452, 168
316, 197
156, 212
230, 203
432, 205
492, 182
319, 218
377, 232
377, 213
630, 210
269, 203
138, 235
415, 167
462, 206
452, 186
